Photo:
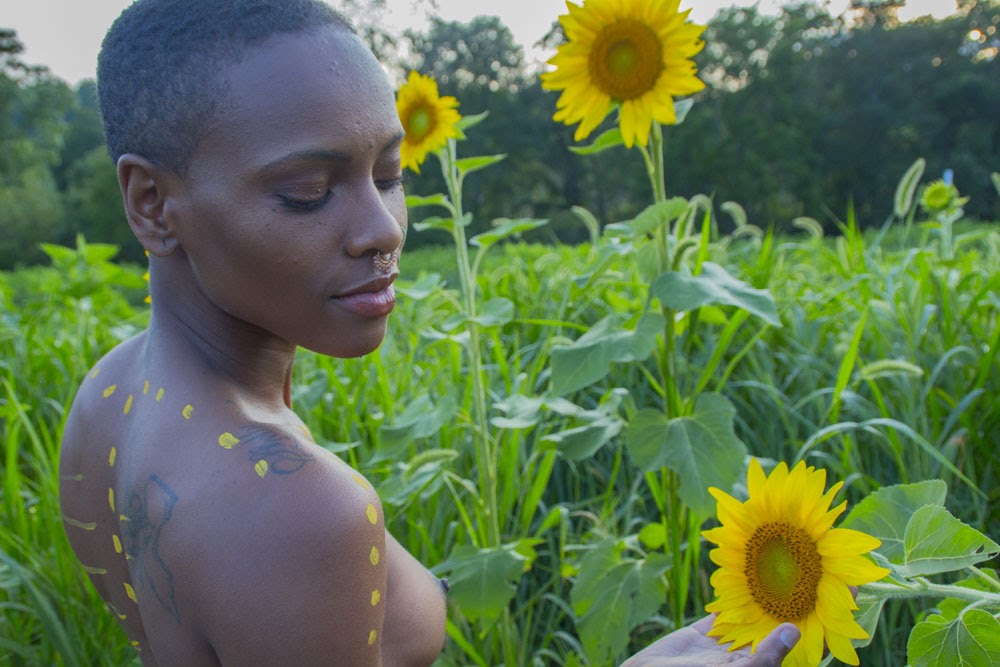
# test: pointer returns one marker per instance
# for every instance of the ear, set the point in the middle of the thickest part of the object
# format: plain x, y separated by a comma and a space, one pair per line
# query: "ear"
145, 187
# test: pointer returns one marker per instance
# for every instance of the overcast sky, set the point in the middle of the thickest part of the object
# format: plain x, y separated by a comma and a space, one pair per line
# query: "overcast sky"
66, 34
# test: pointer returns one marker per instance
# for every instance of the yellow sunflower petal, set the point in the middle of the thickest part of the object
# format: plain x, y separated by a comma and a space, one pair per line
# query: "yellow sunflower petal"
841, 648
846, 542
633, 52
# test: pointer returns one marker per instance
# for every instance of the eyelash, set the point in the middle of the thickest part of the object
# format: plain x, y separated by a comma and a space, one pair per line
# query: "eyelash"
315, 204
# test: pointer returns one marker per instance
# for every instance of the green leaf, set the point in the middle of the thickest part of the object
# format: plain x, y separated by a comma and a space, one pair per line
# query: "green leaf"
416, 201
495, 312
589, 358
735, 211
446, 224
903, 200
421, 419
583, 441
608, 139
421, 288
467, 165
466, 122
483, 581
885, 513
890, 367
809, 225
935, 541
971, 640
650, 219
612, 595
714, 285
701, 448
505, 228
681, 109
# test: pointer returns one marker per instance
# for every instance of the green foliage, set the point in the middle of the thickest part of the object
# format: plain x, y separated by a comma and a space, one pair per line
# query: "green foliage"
921, 539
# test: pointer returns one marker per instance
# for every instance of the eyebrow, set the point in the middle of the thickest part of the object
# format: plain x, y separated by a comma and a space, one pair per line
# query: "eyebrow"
325, 155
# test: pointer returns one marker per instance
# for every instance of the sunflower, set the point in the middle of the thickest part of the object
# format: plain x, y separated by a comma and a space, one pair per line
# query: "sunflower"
428, 119
635, 53
780, 560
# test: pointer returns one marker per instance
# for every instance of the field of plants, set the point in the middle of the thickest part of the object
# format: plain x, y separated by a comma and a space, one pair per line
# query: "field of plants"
543, 422
711, 406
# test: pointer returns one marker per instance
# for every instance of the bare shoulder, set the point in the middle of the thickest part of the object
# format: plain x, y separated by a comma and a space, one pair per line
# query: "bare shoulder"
286, 556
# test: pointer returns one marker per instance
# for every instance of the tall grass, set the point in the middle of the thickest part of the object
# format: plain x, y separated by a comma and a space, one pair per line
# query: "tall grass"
884, 370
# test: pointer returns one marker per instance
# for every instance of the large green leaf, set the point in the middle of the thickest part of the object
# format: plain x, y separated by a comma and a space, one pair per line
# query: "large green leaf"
483, 581
421, 419
701, 448
607, 139
590, 357
714, 285
612, 595
885, 513
935, 541
970, 640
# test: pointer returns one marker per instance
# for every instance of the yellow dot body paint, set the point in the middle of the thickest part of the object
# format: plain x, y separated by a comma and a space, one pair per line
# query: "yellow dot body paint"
227, 440
145, 387
94, 570
371, 637
95, 372
374, 556
159, 394
128, 404
130, 592
118, 544
110, 390
111, 499
360, 481
111, 456
188, 409
261, 467
376, 597
372, 514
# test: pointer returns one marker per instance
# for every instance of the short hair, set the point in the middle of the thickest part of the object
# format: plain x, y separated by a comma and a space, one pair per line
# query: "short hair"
160, 71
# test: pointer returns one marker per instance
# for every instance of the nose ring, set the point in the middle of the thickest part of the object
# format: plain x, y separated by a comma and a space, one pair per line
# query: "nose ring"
386, 262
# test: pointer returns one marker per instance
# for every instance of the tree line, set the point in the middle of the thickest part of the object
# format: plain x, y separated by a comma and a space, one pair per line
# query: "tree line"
804, 114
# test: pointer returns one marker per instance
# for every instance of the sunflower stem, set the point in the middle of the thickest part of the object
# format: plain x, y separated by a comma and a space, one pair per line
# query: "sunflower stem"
921, 588
489, 528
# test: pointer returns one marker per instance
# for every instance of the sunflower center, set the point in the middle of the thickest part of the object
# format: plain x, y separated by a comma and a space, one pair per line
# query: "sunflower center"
626, 59
783, 570
421, 121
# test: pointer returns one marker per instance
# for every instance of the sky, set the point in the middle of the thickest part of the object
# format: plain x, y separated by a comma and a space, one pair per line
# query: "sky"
66, 35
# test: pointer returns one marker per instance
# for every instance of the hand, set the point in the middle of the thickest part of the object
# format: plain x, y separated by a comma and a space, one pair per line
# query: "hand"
690, 647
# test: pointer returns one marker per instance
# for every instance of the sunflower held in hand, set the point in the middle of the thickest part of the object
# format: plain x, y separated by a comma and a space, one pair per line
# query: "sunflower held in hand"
780, 560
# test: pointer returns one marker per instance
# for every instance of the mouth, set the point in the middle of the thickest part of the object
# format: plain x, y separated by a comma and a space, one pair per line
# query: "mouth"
375, 298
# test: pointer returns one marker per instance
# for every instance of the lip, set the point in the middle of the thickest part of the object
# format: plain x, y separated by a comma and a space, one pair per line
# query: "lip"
375, 298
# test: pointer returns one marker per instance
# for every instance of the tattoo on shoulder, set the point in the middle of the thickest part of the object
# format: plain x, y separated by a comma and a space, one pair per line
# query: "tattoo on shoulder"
273, 452
150, 506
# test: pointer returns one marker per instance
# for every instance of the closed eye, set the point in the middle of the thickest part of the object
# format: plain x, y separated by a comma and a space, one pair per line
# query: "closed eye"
303, 204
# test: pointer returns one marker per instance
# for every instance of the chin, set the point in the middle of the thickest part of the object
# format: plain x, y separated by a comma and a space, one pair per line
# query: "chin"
357, 344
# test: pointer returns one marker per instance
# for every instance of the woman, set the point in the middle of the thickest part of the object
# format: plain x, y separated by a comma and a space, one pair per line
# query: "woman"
257, 148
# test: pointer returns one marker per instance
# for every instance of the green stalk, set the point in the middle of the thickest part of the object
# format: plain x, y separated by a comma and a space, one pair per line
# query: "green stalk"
485, 454
923, 588
674, 514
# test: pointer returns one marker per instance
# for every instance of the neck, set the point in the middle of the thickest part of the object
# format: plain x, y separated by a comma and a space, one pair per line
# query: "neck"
187, 329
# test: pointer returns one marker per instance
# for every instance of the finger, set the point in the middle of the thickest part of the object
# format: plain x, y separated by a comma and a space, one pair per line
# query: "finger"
703, 625
773, 648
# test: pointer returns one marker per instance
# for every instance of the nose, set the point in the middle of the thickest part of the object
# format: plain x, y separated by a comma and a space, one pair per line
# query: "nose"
378, 222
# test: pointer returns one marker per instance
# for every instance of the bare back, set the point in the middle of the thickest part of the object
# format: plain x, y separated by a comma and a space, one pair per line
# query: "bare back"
218, 532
